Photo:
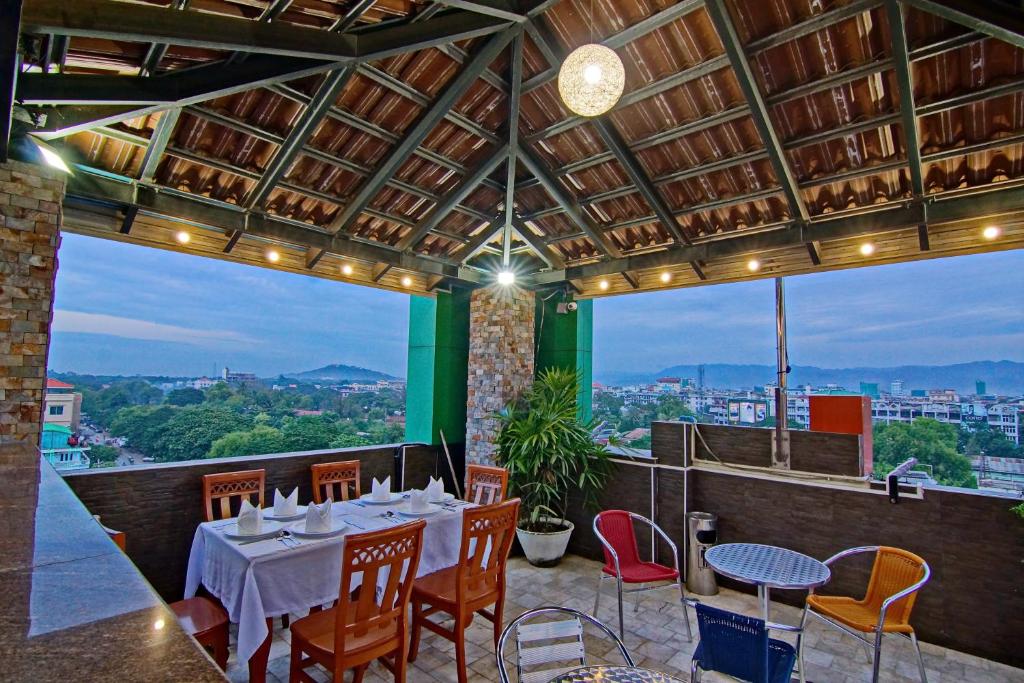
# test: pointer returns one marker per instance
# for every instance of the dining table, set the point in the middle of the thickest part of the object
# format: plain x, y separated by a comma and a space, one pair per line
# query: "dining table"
287, 574
613, 674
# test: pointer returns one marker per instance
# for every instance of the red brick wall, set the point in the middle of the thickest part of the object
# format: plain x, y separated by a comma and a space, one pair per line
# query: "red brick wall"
30, 214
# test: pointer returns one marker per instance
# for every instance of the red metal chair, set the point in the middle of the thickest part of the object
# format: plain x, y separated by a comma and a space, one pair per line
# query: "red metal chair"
614, 529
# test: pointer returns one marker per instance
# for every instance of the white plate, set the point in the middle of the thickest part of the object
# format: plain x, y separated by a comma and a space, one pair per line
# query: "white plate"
300, 512
446, 498
368, 498
406, 512
299, 533
268, 530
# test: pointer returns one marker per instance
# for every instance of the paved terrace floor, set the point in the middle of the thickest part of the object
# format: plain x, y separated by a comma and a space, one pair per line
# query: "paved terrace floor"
654, 638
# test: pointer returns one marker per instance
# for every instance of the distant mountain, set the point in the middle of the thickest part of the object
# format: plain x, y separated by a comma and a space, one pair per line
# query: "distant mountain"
337, 372
1000, 377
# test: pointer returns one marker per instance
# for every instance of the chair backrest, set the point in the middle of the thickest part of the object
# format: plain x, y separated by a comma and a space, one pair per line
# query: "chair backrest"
550, 643
616, 527
223, 489
894, 569
733, 644
118, 537
486, 485
487, 534
389, 556
333, 480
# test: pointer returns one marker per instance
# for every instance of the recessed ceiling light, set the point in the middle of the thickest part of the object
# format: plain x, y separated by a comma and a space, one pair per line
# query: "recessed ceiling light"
346, 269
753, 265
506, 277
867, 249
273, 255
666, 276
407, 281
182, 237
991, 232
603, 284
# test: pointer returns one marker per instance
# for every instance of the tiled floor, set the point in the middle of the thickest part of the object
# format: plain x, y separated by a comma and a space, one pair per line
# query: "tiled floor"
655, 639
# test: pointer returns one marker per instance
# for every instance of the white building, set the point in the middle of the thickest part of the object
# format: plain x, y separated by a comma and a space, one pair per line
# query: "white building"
202, 383
1007, 418
62, 406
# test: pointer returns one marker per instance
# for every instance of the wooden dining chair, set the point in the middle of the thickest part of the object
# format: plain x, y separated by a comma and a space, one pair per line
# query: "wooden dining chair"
475, 583
331, 477
486, 485
361, 627
225, 487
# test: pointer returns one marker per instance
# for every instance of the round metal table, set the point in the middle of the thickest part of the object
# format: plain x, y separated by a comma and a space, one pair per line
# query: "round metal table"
767, 567
613, 674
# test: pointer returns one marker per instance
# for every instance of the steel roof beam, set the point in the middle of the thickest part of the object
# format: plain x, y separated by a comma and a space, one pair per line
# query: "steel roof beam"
419, 130
1001, 20
158, 144
549, 255
156, 51
302, 131
351, 16
908, 115
723, 24
568, 204
811, 25
10, 13
476, 244
516, 69
451, 199
492, 8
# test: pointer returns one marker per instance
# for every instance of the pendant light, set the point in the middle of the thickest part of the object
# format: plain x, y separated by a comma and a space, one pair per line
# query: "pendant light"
591, 78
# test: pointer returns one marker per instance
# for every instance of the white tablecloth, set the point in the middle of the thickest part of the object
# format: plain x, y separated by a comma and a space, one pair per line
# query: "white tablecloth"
268, 578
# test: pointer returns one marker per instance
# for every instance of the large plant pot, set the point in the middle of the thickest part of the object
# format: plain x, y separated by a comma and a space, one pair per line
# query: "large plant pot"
545, 549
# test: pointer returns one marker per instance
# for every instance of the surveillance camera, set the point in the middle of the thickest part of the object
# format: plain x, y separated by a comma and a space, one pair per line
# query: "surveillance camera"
572, 306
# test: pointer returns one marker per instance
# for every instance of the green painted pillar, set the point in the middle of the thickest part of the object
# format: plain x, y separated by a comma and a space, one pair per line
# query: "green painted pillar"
566, 340
435, 396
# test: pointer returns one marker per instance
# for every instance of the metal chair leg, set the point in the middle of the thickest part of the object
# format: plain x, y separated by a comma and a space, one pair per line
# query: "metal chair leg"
877, 657
694, 671
636, 601
622, 620
920, 659
686, 612
597, 597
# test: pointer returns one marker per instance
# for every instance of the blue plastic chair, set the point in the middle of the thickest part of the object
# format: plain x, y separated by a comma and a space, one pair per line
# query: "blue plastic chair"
739, 646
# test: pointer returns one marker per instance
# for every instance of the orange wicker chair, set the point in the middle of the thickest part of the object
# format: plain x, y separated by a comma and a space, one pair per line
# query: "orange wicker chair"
224, 487
896, 577
486, 485
361, 629
476, 582
331, 477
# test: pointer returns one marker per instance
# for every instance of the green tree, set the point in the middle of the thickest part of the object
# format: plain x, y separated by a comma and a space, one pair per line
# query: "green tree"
190, 434
349, 441
103, 456
185, 397
143, 426
101, 405
219, 393
310, 432
931, 442
984, 440
259, 440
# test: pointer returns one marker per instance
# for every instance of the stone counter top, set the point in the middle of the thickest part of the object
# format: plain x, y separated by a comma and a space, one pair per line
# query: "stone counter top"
73, 606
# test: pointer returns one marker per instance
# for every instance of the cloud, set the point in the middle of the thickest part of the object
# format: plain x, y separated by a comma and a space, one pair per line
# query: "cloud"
131, 328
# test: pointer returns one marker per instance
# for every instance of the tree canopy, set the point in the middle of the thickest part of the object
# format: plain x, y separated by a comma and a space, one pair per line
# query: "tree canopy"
931, 442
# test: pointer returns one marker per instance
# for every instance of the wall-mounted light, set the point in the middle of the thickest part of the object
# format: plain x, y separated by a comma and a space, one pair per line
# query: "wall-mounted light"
666, 276
182, 237
506, 278
753, 265
407, 281
346, 269
867, 249
273, 255
50, 156
603, 284
991, 232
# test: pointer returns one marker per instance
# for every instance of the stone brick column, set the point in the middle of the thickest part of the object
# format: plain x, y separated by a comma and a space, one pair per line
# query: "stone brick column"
501, 333
30, 212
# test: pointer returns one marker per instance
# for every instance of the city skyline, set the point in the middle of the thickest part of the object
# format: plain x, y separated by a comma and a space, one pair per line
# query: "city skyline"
126, 309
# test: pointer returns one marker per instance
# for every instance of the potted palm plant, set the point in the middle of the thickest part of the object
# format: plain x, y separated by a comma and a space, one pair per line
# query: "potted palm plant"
549, 452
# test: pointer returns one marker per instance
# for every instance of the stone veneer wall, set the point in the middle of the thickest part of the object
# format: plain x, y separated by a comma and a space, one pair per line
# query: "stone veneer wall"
30, 214
501, 322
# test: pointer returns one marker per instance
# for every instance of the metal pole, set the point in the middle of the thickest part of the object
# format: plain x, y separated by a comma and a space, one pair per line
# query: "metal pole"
780, 454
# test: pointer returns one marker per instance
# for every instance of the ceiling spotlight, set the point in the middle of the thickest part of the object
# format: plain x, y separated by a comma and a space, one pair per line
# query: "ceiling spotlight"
346, 269
182, 237
867, 249
991, 232
666, 276
273, 255
753, 265
603, 284
407, 281
506, 277
51, 157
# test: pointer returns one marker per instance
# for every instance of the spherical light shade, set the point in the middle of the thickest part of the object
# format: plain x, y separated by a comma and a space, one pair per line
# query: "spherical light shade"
591, 80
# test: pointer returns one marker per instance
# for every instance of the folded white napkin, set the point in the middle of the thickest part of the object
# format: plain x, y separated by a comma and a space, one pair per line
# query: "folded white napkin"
318, 517
435, 490
418, 501
381, 490
286, 507
250, 521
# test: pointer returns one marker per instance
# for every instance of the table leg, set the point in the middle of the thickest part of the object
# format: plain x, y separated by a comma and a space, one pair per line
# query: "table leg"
763, 594
260, 658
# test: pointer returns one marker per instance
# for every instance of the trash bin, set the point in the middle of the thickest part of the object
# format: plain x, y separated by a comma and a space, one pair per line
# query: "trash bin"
703, 533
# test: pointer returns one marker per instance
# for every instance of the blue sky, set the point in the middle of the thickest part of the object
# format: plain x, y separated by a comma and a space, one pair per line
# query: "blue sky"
124, 309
